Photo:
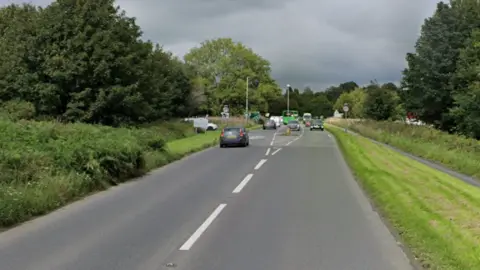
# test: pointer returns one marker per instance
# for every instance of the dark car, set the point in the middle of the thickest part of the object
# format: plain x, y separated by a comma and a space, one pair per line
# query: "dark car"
294, 125
317, 124
270, 124
234, 136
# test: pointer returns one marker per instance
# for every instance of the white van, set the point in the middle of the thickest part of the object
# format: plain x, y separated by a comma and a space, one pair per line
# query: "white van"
277, 119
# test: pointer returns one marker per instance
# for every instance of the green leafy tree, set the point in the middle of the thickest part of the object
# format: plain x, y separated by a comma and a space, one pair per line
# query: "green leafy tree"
380, 104
355, 100
88, 64
223, 67
429, 77
467, 98
18, 27
320, 105
334, 92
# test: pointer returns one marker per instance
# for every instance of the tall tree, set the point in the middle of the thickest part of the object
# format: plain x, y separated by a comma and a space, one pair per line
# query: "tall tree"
467, 96
88, 63
18, 27
380, 104
224, 65
429, 77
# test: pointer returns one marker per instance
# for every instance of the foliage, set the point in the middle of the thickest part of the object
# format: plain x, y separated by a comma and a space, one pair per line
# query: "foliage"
467, 98
85, 62
222, 67
458, 153
355, 100
430, 78
44, 165
380, 104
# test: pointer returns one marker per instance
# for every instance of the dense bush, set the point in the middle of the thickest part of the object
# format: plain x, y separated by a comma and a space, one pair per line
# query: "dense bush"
454, 151
45, 164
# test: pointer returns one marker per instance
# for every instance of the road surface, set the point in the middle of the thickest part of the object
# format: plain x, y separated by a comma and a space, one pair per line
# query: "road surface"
282, 203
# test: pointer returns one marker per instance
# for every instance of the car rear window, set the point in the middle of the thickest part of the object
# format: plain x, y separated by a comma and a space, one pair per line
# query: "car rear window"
293, 122
231, 129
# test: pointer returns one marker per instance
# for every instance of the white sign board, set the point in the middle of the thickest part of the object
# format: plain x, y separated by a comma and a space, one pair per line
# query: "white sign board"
199, 122
345, 108
225, 109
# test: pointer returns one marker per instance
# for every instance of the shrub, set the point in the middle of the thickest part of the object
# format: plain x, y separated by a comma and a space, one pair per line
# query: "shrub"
43, 165
17, 109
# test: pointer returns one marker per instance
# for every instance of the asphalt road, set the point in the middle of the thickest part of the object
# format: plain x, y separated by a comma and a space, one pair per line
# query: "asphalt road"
282, 203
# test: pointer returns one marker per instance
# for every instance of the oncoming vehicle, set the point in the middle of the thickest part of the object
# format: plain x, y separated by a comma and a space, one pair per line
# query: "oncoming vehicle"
289, 115
317, 124
232, 136
307, 117
294, 125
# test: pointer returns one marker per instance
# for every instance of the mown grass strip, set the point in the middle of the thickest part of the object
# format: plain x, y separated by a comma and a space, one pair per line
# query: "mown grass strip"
436, 215
456, 152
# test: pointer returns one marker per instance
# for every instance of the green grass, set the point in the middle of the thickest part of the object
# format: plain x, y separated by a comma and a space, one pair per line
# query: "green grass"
453, 151
45, 165
436, 215
179, 148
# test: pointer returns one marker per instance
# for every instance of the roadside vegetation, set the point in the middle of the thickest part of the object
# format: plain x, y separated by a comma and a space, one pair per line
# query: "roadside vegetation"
44, 165
436, 215
457, 152
85, 103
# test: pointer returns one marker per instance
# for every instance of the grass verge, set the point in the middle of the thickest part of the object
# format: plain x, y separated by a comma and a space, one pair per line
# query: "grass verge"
456, 152
179, 148
45, 165
436, 215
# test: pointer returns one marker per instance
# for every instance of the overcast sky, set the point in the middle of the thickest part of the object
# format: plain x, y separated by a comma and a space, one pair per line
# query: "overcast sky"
309, 42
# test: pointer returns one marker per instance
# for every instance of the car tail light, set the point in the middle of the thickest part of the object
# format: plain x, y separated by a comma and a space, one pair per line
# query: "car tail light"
223, 133
241, 133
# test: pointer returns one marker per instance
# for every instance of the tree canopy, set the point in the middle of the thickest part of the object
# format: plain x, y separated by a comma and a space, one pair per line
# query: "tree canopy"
86, 61
222, 67
434, 75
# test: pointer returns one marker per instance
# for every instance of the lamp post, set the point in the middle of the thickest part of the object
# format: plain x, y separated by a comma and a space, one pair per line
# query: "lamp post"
288, 98
246, 101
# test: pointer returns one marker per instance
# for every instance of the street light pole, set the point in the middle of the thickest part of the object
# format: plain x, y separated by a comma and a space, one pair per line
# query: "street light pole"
288, 98
246, 100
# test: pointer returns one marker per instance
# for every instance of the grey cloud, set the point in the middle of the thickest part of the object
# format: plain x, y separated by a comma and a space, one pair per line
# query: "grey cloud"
308, 42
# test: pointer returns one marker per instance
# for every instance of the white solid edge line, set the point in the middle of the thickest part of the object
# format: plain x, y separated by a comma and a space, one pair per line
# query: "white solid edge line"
260, 163
276, 151
243, 183
189, 243
268, 152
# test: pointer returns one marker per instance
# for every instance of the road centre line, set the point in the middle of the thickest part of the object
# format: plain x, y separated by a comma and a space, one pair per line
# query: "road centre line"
260, 163
189, 243
268, 152
276, 151
243, 183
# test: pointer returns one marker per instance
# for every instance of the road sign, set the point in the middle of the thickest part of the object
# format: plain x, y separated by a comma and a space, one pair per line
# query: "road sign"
345, 107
